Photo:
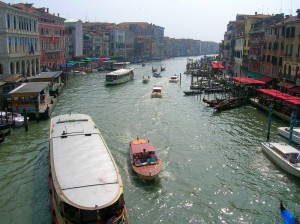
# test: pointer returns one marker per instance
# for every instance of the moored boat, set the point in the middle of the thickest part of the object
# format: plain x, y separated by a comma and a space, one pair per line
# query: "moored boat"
285, 132
192, 92
284, 155
85, 183
13, 119
144, 159
156, 91
119, 76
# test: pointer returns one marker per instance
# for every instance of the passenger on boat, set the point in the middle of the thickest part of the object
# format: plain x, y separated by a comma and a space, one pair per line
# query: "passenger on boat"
144, 154
137, 160
153, 158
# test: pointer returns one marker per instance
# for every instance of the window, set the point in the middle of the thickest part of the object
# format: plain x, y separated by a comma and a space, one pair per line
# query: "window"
8, 21
282, 46
291, 50
293, 31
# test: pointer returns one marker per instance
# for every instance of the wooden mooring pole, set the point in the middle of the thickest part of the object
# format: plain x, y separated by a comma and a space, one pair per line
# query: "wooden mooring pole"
25, 119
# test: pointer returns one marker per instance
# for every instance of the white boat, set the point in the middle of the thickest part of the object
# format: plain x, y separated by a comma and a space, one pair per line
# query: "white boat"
156, 91
284, 156
85, 183
285, 132
146, 79
174, 79
10, 118
119, 76
76, 72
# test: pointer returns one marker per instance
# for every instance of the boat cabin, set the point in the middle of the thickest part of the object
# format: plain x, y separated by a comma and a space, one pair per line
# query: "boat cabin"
156, 92
33, 97
56, 79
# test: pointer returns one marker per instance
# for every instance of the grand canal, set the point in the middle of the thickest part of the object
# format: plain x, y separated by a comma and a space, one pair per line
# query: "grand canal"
213, 167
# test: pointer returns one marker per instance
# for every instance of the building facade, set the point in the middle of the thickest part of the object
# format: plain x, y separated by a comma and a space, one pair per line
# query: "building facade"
19, 48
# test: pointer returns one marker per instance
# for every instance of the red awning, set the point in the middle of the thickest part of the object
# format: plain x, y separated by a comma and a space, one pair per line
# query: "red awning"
248, 80
280, 95
217, 65
295, 89
266, 79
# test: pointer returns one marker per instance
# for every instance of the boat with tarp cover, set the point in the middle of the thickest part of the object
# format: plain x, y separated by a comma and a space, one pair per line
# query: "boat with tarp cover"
144, 159
85, 183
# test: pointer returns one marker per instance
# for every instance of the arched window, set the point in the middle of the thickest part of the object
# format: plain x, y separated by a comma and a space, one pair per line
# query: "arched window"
284, 69
265, 45
282, 46
8, 21
290, 70
270, 45
15, 22
34, 26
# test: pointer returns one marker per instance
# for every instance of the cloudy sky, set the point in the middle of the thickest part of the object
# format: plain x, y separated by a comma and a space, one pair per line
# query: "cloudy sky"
204, 20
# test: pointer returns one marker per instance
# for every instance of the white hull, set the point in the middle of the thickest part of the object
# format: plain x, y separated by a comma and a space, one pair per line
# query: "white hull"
119, 76
119, 81
285, 132
275, 151
17, 119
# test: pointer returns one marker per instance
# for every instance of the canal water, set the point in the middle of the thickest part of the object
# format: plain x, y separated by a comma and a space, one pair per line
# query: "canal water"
213, 168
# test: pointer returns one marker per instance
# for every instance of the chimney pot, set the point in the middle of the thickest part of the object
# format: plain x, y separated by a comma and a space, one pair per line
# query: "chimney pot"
256, 13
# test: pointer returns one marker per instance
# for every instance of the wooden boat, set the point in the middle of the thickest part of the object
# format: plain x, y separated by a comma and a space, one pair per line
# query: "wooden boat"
162, 69
174, 79
119, 76
154, 70
284, 156
144, 159
156, 74
230, 103
192, 92
146, 79
84, 180
143, 64
285, 132
156, 91
213, 102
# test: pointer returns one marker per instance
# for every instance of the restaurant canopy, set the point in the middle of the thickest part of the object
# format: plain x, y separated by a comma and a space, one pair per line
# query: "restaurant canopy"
280, 95
217, 65
248, 80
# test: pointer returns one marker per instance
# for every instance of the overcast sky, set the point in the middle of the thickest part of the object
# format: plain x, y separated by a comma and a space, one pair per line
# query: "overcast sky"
204, 20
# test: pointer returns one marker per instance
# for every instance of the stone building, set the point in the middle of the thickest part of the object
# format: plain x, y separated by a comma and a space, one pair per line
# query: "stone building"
19, 44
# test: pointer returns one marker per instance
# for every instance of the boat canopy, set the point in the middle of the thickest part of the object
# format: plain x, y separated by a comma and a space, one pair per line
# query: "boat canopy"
138, 148
280, 95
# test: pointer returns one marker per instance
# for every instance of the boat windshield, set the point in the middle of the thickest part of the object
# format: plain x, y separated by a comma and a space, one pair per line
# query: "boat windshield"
111, 77
114, 213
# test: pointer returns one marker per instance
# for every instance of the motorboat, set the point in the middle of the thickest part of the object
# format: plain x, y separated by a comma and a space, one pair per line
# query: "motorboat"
284, 155
13, 119
192, 92
285, 132
174, 79
84, 181
146, 79
77, 72
156, 91
144, 159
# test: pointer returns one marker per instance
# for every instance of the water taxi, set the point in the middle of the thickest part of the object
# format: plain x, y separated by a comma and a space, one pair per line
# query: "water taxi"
146, 79
174, 79
284, 155
85, 183
119, 76
156, 91
285, 132
144, 159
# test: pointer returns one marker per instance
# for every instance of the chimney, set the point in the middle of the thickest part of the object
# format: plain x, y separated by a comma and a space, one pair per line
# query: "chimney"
57, 14
256, 13
287, 16
47, 10
298, 11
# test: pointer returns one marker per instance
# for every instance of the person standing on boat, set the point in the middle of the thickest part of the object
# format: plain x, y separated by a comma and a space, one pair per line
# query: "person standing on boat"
145, 154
